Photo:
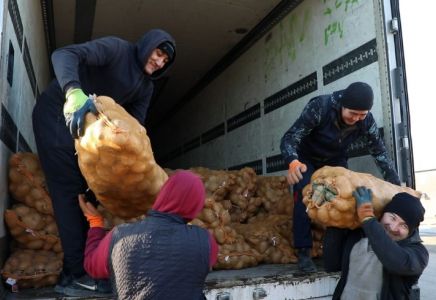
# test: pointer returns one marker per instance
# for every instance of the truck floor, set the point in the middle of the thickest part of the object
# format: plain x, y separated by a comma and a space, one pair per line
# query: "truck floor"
216, 281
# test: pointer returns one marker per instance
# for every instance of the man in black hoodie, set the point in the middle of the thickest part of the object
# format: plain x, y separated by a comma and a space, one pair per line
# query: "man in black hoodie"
111, 67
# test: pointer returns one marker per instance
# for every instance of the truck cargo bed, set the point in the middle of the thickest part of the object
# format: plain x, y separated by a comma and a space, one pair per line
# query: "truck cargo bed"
276, 281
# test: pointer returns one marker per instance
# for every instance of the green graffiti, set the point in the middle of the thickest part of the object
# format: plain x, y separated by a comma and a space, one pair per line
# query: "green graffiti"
289, 35
334, 28
348, 2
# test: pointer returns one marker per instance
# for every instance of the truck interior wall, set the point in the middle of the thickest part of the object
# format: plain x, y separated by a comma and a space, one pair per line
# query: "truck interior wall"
240, 117
24, 71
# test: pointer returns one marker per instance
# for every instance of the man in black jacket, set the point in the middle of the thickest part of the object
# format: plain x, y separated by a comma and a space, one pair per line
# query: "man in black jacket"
383, 259
109, 67
320, 137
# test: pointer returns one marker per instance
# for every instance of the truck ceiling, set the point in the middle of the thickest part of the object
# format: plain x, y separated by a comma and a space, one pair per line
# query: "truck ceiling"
210, 35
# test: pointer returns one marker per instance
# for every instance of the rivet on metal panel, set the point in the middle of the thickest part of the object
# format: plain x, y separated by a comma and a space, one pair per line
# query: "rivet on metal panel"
223, 296
259, 294
394, 25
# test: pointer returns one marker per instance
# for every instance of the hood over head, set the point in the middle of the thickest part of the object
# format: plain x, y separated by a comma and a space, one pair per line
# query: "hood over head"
182, 194
150, 41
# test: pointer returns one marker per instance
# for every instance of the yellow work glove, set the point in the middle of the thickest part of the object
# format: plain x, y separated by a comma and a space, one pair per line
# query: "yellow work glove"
75, 109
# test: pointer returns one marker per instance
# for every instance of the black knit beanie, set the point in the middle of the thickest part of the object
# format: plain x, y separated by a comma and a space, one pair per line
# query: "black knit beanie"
358, 96
168, 48
408, 207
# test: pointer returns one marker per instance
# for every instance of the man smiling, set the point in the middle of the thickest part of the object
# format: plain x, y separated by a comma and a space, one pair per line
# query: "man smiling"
320, 137
106, 66
383, 259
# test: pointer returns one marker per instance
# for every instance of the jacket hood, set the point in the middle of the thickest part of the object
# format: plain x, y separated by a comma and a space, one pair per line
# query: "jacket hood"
149, 42
182, 194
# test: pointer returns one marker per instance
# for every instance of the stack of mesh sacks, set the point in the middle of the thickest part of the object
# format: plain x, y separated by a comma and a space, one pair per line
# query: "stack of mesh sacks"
116, 159
36, 252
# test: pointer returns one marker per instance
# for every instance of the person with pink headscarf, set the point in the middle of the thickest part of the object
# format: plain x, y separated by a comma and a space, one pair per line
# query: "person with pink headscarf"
160, 257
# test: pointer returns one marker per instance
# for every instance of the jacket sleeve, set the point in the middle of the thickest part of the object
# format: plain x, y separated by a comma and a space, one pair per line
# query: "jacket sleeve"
399, 258
309, 118
67, 60
213, 250
379, 153
97, 252
332, 249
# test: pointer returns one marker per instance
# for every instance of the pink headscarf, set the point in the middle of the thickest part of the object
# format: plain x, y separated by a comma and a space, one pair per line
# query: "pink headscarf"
183, 194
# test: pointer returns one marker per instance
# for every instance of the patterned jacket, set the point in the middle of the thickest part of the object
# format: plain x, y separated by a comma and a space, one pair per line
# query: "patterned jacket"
319, 134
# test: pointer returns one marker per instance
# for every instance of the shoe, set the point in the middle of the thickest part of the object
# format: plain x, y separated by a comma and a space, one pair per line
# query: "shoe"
63, 281
305, 263
86, 286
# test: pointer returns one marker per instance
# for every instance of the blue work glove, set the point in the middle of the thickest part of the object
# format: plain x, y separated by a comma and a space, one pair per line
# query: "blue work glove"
75, 109
364, 207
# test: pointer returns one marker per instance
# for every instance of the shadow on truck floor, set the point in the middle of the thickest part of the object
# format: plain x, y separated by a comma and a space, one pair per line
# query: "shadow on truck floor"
264, 273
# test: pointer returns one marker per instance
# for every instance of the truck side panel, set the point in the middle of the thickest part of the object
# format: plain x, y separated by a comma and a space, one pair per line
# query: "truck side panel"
25, 71
240, 117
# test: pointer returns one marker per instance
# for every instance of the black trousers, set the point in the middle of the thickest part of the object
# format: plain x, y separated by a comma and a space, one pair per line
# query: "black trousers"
301, 222
65, 181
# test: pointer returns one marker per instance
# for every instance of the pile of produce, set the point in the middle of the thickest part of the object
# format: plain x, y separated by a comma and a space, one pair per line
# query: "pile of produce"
36, 251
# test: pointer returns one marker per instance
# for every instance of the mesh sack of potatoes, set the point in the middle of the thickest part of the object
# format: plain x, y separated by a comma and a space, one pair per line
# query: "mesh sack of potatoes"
234, 252
32, 229
239, 215
213, 215
110, 220
268, 242
237, 255
117, 161
32, 268
27, 182
222, 234
216, 219
276, 198
244, 188
328, 197
281, 223
217, 184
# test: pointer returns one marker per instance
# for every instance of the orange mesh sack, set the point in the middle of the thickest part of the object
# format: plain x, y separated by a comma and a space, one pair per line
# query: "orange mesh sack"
276, 198
234, 253
268, 242
217, 184
244, 188
329, 197
116, 158
32, 268
242, 215
237, 255
32, 229
27, 182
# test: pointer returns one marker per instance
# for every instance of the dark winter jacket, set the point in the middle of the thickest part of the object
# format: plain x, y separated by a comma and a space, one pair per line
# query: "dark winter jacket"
320, 134
111, 67
403, 261
160, 257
